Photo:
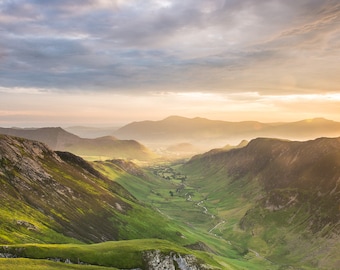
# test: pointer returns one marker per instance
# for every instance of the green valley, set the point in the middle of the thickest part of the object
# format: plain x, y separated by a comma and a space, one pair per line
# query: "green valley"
266, 201
57, 197
268, 204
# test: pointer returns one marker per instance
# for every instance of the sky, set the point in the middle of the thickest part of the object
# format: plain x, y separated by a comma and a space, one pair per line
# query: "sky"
102, 62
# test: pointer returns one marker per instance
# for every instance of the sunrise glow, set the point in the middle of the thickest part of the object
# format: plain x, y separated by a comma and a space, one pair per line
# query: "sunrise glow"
227, 60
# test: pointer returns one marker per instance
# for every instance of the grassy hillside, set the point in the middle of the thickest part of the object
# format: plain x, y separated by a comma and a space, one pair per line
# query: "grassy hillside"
269, 205
278, 198
59, 198
56, 197
120, 254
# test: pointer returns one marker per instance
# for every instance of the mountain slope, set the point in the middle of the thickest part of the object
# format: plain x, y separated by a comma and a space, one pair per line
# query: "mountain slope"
58, 197
280, 198
283, 164
108, 146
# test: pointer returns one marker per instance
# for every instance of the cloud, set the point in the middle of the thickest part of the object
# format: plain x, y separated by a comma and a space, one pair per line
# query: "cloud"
195, 45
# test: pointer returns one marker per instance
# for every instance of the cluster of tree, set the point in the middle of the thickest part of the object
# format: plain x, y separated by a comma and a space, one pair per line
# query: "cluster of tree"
168, 173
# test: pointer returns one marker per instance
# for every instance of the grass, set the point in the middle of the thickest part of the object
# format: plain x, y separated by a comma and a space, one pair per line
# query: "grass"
119, 254
12, 233
29, 264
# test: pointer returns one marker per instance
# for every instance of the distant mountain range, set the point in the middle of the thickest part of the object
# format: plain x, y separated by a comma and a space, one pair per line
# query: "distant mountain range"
106, 147
213, 133
285, 196
172, 137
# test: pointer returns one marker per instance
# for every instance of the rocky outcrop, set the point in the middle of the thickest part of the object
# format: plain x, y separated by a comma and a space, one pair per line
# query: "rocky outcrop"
152, 260
156, 260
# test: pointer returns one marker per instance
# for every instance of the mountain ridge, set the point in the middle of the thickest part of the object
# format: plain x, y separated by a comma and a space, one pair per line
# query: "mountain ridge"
215, 133
107, 146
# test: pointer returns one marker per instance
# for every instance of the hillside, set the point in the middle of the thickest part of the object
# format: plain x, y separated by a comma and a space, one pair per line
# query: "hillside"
102, 147
214, 133
280, 198
269, 203
57, 197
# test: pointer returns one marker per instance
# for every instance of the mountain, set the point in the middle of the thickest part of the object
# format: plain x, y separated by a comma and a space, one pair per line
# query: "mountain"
55, 196
213, 133
111, 147
107, 147
52, 197
176, 127
278, 197
91, 132
55, 138
303, 130
290, 161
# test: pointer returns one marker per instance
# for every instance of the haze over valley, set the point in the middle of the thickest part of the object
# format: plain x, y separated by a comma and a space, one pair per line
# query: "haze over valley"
170, 135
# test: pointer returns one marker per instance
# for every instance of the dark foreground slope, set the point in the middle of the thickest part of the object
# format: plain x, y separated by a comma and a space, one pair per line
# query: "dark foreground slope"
58, 139
278, 198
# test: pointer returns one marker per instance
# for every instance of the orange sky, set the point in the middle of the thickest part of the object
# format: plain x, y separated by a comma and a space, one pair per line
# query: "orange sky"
113, 62
50, 109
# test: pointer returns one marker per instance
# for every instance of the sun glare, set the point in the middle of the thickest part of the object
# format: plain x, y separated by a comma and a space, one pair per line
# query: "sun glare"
306, 97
